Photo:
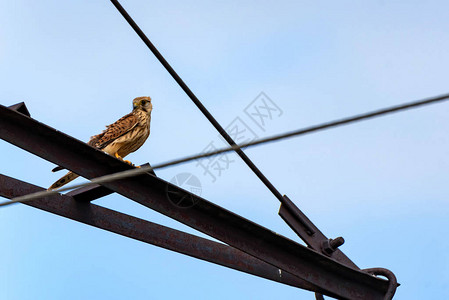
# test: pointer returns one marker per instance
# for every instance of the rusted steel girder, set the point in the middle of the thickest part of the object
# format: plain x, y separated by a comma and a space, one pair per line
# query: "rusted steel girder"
333, 277
149, 232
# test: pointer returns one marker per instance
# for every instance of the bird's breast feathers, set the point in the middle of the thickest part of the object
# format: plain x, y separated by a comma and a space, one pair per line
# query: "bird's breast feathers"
133, 138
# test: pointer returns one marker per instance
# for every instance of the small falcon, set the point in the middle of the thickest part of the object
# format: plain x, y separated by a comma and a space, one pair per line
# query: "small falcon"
121, 138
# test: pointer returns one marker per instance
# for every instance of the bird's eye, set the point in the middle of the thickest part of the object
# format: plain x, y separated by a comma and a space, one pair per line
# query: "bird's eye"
143, 102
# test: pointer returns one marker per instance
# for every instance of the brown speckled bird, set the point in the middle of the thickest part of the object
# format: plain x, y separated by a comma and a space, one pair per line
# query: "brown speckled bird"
121, 138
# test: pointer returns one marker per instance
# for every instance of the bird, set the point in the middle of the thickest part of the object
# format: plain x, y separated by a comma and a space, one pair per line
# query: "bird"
119, 139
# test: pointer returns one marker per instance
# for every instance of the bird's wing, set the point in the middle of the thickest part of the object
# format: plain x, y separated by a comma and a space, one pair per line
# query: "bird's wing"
114, 131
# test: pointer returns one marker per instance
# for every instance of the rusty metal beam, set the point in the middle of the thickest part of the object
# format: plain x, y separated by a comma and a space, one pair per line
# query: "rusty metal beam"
333, 277
149, 232
89, 193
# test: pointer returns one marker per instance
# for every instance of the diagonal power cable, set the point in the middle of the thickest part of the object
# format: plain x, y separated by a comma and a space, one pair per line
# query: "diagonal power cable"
197, 102
278, 137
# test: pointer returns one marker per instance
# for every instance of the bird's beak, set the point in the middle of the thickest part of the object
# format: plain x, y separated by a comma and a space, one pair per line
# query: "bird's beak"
134, 106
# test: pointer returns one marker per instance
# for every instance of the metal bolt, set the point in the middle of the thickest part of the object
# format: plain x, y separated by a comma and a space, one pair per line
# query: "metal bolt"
337, 242
329, 246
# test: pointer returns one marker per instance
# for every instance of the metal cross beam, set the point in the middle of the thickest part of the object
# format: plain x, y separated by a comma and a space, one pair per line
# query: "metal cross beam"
149, 232
334, 278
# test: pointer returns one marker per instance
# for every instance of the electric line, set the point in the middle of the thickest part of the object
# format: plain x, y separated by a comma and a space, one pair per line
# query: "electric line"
303, 131
197, 102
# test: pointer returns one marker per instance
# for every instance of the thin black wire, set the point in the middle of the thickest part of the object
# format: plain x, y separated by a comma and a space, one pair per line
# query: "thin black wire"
197, 102
307, 130
315, 128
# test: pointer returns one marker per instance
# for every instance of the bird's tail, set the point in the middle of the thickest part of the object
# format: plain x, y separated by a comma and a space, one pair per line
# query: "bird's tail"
63, 180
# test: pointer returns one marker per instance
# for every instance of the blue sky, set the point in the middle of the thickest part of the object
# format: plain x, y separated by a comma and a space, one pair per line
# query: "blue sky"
381, 184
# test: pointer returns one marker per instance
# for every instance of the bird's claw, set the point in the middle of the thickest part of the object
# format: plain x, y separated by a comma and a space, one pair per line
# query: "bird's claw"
127, 161
131, 164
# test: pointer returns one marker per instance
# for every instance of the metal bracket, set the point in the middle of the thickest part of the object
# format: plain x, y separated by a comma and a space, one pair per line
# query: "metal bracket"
311, 235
